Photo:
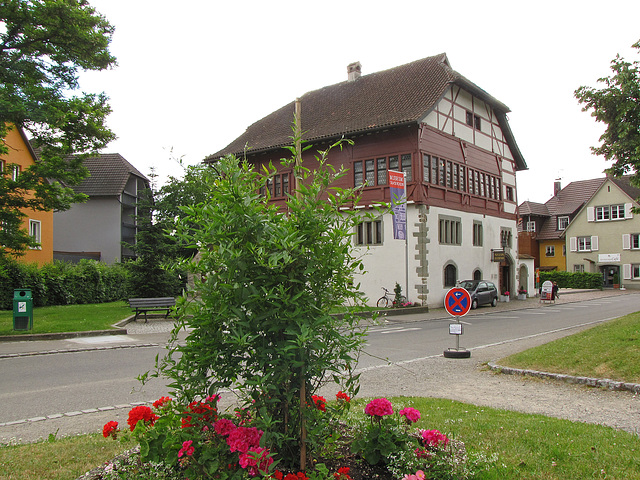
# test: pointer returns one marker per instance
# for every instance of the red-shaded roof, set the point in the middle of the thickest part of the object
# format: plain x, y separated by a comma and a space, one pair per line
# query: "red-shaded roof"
398, 96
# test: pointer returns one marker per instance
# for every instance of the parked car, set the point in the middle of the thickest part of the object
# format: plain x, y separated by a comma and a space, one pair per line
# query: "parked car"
481, 291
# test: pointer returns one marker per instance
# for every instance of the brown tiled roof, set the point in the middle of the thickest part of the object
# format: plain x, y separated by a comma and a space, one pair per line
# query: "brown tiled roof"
108, 175
533, 208
398, 96
625, 185
567, 203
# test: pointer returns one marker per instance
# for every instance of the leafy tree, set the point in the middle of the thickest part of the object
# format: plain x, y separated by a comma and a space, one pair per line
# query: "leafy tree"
44, 44
267, 284
617, 104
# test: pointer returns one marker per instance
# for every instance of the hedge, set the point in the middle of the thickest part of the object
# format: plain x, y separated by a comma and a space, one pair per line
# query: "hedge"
62, 283
573, 280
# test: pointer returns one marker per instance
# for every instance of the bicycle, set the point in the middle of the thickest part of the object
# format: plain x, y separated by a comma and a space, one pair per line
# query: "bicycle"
384, 301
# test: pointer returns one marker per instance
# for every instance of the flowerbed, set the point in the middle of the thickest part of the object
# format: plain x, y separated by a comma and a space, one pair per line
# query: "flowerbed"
195, 441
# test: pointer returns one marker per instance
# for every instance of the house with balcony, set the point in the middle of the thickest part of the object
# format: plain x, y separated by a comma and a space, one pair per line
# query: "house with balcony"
541, 226
452, 141
104, 227
604, 236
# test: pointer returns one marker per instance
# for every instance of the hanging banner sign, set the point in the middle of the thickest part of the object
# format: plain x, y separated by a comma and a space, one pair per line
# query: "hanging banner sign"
398, 204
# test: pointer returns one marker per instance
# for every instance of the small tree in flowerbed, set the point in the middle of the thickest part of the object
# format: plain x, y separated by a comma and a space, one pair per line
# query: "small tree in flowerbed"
267, 281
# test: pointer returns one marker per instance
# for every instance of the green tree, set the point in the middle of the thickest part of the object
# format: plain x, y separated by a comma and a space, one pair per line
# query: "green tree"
617, 104
268, 282
44, 44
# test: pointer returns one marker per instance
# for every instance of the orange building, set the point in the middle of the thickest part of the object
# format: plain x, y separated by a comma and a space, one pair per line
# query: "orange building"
39, 224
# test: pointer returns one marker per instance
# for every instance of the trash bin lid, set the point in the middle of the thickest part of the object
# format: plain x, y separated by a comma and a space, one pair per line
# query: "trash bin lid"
22, 293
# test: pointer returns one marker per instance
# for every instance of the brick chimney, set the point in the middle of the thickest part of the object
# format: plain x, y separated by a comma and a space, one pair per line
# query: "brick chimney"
557, 186
354, 70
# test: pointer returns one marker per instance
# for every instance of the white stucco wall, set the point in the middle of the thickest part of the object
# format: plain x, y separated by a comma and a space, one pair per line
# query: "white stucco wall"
386, 264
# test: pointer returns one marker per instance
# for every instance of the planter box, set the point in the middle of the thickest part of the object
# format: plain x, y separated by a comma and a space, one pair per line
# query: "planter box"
522, 296
504, 298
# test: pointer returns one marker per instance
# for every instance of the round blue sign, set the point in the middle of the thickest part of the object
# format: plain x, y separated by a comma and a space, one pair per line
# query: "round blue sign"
457, 302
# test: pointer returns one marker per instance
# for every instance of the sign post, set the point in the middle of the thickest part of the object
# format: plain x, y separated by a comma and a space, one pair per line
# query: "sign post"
457, 302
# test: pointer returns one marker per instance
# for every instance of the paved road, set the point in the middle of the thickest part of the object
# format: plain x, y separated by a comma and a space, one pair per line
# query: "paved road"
78, 391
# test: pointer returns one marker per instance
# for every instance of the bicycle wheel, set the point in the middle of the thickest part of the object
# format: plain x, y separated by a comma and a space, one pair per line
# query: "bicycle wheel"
383, 302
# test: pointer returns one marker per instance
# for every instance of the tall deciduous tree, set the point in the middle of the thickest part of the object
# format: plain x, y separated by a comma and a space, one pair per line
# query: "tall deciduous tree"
44, 45
617, 104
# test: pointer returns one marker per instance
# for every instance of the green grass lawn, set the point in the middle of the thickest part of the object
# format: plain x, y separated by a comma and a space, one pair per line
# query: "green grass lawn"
69, 318
531, 447
610, 350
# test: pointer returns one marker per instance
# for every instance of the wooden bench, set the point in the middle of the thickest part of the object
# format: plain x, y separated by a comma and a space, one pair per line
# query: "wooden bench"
144, 305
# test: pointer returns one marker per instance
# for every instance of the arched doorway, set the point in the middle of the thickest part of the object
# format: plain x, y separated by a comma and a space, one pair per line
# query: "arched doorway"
523, 278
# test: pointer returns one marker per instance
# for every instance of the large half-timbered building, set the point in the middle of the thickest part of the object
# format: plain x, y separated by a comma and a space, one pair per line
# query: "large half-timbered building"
453, 142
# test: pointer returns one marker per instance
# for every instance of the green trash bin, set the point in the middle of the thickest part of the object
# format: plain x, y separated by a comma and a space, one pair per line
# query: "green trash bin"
22, 309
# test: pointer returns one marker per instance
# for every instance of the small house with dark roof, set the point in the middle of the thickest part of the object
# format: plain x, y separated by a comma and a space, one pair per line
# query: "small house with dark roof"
452, 141
604, 235
97, 229
541, 226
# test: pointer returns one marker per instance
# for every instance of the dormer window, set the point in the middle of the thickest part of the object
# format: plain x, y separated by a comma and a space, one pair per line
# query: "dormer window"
563, 222
531, 226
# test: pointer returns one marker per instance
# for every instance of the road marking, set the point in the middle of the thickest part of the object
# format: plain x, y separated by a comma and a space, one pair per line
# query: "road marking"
533, 313
103, 339
399, 331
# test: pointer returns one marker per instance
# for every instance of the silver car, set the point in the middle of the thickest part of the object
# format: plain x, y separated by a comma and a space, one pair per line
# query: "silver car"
481, 292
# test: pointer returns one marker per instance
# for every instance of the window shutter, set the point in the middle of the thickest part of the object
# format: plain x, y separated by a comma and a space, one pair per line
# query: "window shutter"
594, 243
591, 214
626, 271
573, 244
627, 210
626, 241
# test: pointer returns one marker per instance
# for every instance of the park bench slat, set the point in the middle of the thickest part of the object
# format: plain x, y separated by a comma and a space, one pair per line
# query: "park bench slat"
144, 305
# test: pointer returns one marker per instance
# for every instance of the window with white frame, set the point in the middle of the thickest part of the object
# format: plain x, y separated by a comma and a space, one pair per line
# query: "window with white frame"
563, 222
531, 226
609, 212
635, 241
635, 271
578, 268
369, 233
35, 231
15, 172
584, 244
550, 251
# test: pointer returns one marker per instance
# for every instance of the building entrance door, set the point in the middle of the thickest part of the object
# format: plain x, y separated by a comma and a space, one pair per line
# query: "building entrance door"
610, 275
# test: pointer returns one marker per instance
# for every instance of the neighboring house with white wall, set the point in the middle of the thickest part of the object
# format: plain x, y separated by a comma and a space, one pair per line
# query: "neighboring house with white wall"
454, 144
97, 229
604, 237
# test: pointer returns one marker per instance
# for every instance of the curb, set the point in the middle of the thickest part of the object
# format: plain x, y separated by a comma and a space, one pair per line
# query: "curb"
588, 381
61, 336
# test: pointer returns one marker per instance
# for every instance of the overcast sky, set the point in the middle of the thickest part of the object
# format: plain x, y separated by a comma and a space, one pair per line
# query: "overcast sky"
192, 75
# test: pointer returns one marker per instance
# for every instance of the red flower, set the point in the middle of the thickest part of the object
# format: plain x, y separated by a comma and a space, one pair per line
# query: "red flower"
161, 402
110, 429
141, 412
343, 474
343, 396
187, 449
320, 402
203, 412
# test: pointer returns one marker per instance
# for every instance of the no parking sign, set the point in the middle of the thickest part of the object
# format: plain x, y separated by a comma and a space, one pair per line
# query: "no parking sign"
457, 302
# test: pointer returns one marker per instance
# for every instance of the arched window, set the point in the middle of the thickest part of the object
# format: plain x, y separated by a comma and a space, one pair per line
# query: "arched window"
450, 275
477, 274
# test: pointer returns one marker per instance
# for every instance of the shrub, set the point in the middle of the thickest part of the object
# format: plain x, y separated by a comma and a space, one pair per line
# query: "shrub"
573, 279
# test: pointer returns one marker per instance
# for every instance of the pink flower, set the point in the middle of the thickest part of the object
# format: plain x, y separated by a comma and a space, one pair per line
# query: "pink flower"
433, 438
224, 427
379, 407
257, 460
411, 414
242, 439
418, 476
186, 449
